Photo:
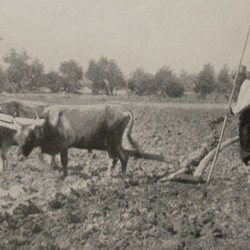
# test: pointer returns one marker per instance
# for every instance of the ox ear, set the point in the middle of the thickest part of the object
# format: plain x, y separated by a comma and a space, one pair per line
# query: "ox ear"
39, 122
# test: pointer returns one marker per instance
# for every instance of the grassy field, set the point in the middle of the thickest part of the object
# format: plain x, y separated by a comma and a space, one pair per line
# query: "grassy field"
122, 95
39, 210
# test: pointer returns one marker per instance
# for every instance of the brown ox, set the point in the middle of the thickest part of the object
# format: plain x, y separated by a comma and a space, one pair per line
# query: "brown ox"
86, 127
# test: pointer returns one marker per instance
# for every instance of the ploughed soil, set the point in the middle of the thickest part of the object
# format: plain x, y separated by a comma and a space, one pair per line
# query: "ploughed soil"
87, 210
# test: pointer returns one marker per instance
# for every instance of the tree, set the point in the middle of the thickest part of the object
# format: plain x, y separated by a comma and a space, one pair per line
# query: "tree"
168, 83
17, 70
142, 83
135, 76
205, 81
105, 75
36, 75
3, 80
187, 80
54, 81
72, 74
22, 74
223, 83
94, 74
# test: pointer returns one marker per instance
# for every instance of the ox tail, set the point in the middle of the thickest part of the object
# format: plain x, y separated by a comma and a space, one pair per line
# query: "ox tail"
127, 133
137, 151
155, 157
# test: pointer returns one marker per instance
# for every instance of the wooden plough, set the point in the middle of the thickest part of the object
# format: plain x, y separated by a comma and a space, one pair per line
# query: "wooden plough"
197, 162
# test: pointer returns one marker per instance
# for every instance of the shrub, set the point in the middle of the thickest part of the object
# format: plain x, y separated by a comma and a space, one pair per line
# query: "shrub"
205, 82
168, 83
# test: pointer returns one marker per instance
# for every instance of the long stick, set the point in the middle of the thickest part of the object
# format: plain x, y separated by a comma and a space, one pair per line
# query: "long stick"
229, 106
203, 164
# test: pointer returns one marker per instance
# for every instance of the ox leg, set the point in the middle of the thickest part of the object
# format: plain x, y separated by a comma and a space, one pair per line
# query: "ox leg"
3, 160
113, 154
123, 156
64, 161
53, 162
4, 152
112, 165
41, 157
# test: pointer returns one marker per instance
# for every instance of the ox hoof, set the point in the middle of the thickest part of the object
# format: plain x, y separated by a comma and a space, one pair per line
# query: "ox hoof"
2, 167
109, 174
62, 177
246, 163
20, 158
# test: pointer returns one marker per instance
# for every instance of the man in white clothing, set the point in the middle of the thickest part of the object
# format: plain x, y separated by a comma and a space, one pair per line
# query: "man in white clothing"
243, 90
242, 108
243, 99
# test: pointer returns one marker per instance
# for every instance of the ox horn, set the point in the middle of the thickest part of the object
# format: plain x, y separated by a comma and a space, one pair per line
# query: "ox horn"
16, 123
36, 116
38, 121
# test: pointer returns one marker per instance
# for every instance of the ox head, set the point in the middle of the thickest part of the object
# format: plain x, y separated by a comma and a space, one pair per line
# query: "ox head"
29, 135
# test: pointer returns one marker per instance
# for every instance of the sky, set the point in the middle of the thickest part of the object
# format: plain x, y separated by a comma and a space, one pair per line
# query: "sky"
181, 34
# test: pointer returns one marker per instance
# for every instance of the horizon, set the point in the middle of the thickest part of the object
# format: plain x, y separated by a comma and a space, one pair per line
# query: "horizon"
139, 34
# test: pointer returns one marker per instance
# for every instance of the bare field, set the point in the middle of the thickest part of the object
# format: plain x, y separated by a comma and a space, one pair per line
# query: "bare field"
39, 210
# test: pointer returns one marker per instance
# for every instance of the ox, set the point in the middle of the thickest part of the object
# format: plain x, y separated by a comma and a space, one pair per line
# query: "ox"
16, 108
86, 127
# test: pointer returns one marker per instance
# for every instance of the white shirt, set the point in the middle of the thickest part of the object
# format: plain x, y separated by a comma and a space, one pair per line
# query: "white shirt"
243, 98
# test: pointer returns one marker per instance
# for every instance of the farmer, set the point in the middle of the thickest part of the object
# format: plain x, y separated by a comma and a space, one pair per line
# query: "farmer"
242, 108
243, 81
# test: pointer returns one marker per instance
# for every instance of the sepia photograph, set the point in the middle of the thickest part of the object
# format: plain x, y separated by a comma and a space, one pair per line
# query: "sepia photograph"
124, 124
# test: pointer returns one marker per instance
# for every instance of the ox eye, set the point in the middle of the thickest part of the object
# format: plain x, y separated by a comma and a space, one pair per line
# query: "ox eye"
29, 139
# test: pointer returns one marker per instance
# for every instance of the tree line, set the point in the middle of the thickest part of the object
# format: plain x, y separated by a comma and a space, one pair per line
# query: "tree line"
22, 73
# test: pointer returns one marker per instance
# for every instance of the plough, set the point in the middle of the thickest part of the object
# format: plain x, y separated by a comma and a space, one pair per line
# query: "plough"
197, 162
